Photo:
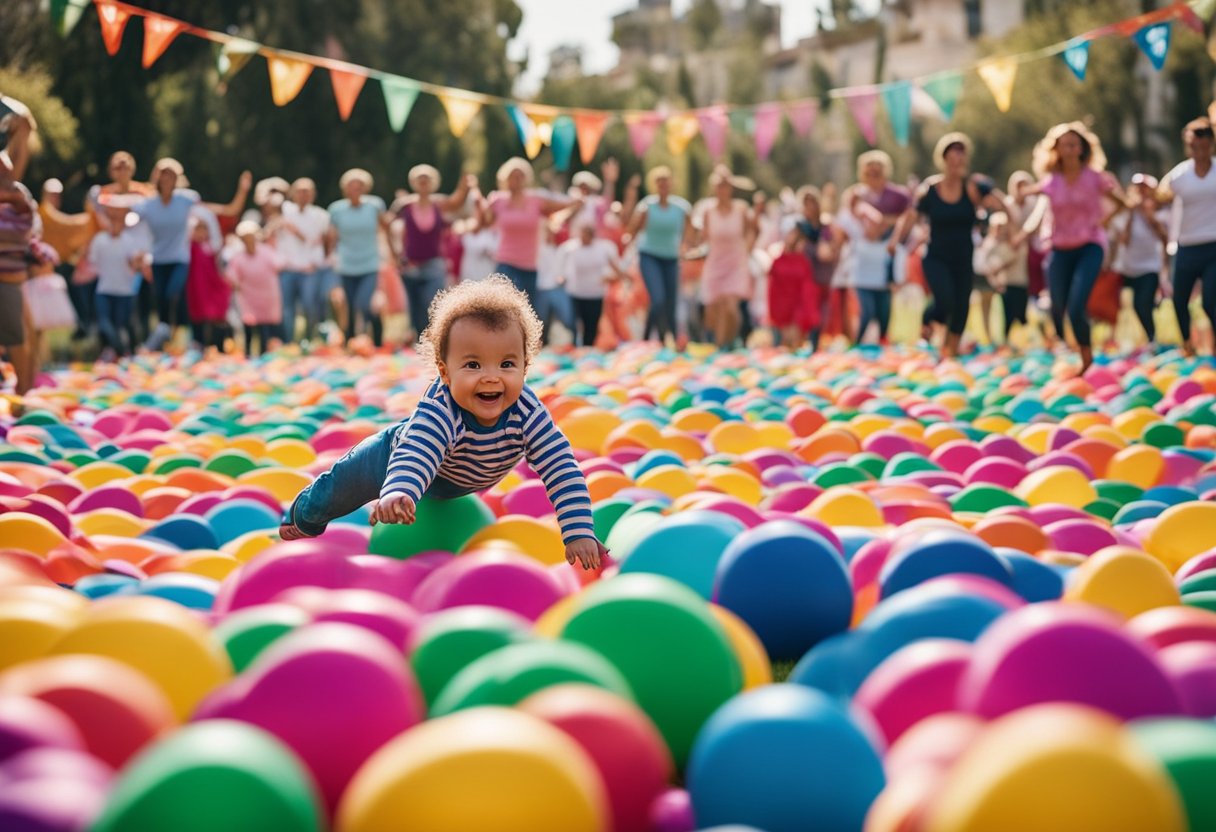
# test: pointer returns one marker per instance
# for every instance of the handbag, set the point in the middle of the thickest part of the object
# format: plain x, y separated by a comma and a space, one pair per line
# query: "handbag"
46, 297
1103, 302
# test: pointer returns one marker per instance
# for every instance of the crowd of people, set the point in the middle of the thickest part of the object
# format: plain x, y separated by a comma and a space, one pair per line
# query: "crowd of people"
148, 260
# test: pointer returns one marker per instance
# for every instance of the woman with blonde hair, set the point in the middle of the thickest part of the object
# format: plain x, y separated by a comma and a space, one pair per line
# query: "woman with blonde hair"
518, 211
355, 223
662, 223
729, 228
1072, 175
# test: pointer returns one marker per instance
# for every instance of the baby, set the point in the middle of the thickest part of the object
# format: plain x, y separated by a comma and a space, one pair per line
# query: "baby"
472, 426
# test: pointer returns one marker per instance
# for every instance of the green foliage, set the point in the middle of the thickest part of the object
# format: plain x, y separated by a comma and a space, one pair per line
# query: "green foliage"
58, 136
705, 20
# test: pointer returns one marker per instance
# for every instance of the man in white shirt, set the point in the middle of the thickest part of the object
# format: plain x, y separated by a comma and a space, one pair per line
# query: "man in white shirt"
1192, 185
300, 240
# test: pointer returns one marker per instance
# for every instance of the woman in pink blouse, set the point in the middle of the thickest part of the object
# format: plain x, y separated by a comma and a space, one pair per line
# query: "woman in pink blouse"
1072, 175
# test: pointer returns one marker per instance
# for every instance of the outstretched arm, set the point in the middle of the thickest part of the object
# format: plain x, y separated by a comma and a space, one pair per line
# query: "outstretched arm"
237, 205
548, 452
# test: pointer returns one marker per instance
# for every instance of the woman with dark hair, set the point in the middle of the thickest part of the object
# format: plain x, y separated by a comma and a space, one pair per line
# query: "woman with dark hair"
1193, 185
1072, 175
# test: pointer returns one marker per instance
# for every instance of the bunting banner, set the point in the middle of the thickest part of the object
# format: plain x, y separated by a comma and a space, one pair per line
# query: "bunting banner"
945, 90
682, 128
802, 116
399, 97
714, 126
113, 21
528, 135
1076, 56
863, 105
1154, 41
897, 98
768, 127
461, 111
542, 118
287, 78
642, 129
347, 86
564, 134
159, 32
999, 75
65, 14
589, 127
231, 59
742, 122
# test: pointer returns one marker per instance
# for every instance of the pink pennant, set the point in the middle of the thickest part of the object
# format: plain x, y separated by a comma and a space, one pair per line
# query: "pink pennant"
803, 117
714, 127
768, 126
864, 107
642, 129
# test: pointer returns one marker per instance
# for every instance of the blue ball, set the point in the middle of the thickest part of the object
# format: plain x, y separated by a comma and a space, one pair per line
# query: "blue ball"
685, 547
941, 553
1138, 510
784, 758
104, 584
1171, 495
195, 592
233, 518
789, 584
1032, 579
836, 665
186, 532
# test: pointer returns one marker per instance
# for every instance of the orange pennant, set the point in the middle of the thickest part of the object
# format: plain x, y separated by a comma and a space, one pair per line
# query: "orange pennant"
159, 32
113, 21
590, 129
287, 78
347, 86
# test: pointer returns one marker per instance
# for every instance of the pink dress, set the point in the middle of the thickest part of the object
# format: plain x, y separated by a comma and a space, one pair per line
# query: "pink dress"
519, 229
257, 285
726, 274
1077, 208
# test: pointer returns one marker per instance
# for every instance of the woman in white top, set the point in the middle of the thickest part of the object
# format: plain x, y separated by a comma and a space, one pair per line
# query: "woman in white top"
1138, 249
1193, 185
299, 236
587, 265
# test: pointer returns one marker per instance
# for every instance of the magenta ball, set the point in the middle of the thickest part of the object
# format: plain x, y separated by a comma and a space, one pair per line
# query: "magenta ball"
913, 683
996, 470
389, 617
56, 763
1084, 537
1200, 563
55, 804
672, 812
529, 499
1192, 666
505, 580
957, 455
27, 723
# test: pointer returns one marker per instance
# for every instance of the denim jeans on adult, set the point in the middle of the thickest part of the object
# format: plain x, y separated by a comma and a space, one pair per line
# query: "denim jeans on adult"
291, 287
661, 275
114, 319
1070, 281
81, 295
554, 304
422, 282
1144, 299
359, 289
314, 295
875, 306
1193, 264
354, 481
169, 289
523, 279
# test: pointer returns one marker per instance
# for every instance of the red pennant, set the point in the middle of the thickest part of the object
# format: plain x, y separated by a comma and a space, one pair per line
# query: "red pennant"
347, 86
590, 129
159, 32
113, 21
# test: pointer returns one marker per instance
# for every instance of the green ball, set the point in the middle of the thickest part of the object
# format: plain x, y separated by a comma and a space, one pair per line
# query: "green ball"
451, 640
246, 633
905, 463
231, 463
168, 464
1204, 581
872, 464
630, 530
984, 498
1119, 491
1163, 435
1106, 509
511, 674
214, 774
1186, 749
441, 526
840, 473
133, 460
1204, 600
605, 515
668, 645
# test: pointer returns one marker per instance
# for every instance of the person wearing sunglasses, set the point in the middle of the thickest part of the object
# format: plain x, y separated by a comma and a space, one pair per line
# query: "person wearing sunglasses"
1193, 185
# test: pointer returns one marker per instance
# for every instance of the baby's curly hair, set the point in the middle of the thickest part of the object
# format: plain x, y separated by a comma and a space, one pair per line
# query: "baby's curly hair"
495, 303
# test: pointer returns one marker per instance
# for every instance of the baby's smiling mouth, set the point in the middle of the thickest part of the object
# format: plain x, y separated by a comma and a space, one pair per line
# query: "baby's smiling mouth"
490, 397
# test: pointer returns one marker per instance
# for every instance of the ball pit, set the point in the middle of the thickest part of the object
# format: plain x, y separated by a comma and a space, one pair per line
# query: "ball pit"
986, 590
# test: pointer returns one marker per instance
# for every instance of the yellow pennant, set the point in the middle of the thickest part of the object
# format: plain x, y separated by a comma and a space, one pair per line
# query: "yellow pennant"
999, 75
461, 112
287, 78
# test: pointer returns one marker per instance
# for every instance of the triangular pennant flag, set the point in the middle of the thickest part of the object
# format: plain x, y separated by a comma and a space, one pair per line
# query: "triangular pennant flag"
65, 14
159, 32
713, 124
1076, 56
682, 128
461, 111
529, 136
945, 90
1189, 15
768, 127
589, 127
542, 128
564, 133
347, 86
399, 97
999, 75
232, 57
1155, 42
802, 117
897, 98
864, 107
113, 21
642, 129
742, 121
287, 78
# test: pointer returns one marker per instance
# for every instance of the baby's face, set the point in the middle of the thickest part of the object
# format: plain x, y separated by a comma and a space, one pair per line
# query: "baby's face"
484, 368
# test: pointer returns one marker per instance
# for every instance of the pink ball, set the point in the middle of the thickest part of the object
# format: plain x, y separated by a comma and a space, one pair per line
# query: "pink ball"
1084, 537
107, 496
620, 739
1199, 563
27, 723
65, 763
529, 499
672, 812
1062, 458
913, 683
50, 804
1164, 626
936, 741
200, 504
1006, 446
1049, 513
382, 614
957, 455
1062, 437
1192, 666
492, 578
1180, 468
793, 497
868, 562
996, 470
732, 507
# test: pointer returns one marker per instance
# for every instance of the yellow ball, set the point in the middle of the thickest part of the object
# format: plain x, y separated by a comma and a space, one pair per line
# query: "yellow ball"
291, 453
1131, 423
865, 424
693, 420
1181, 532
1056, 768
1036, 437
1124, 580
477, 770
840, 506
29, 533
736, 483
283, 483
33, 618
748, 649
249, 544
537, 539
774, 434
1060, 484
111, 521
99, 473
163, 640
671, 480
994, 424
588, 428
734, 438
1141, 465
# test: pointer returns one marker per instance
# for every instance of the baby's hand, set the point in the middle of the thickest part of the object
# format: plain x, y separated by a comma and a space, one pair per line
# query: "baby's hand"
587, 551
395, 507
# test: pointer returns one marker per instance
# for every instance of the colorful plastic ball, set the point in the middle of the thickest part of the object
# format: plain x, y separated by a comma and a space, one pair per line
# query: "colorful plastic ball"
1123, 580
447, 642
485, 768
673, 653
334, 693
1192, 668
247, 632
753, 659
1054, 652
33, 618
672, 812
685, 547
217, 774
1057, 484
1164, 626
622, 742
914, 683
233, 518
50, 804
495, 578
1186, 748
382, 614
784, 757
787, 584
27, 723
512, 673
1032, 579
940, 553
442, 526
1181, 532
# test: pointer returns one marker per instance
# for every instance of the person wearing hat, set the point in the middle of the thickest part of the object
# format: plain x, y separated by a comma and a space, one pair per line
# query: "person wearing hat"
662, 225
117, 255
355, 224
1139, 236
299, 236
729, 229
596, 195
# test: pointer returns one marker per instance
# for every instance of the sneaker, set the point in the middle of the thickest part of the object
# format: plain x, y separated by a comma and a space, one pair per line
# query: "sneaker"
159, 337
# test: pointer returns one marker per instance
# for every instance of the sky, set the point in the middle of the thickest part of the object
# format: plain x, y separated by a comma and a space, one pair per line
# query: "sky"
550, 23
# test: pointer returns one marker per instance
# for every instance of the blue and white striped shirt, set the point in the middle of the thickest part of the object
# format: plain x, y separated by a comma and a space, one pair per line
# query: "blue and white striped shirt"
440, 441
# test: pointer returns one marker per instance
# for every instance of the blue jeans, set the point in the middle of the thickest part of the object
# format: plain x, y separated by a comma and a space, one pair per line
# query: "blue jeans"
523, 279
661, 275
359, 289
169, 289
291, 287
1070, 281
422, 282
554, 304
114, 319
353, 482
1194, 264
875, 306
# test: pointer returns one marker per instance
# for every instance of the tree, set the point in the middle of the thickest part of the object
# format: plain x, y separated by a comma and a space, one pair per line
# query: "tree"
704, 20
